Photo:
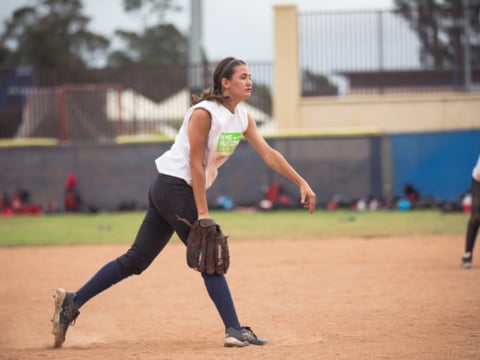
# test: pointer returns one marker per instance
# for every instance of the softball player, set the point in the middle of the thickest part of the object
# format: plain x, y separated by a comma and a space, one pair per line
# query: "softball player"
211, 130
474, 220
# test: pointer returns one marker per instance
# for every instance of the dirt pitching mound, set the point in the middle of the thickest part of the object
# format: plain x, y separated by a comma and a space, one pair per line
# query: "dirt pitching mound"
389, 298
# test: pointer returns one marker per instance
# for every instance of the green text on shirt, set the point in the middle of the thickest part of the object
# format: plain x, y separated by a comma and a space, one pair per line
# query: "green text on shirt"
228, 141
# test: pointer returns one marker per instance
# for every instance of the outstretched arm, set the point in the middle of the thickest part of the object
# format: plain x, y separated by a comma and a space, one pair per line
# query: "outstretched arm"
277, 162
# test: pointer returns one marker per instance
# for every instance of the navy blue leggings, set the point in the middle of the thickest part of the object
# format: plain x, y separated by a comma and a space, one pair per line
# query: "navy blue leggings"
474, 220
167, 197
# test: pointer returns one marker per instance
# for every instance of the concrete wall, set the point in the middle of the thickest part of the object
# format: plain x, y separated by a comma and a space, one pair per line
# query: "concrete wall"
110, 176
386, 113
392, 114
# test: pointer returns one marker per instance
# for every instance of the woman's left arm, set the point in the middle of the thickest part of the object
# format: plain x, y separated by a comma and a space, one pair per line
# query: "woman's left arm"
277, 162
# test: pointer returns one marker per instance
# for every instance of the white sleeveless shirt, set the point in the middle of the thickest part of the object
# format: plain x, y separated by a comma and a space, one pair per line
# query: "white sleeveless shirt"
225, 134
476, 170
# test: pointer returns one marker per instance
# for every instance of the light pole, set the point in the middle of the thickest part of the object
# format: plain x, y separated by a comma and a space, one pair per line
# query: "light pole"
195, 67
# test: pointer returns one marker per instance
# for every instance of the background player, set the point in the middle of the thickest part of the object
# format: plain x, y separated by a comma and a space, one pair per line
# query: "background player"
210, 132
474, 220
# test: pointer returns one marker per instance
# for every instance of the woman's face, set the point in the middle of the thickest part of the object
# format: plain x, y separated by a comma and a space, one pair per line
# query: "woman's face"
239, 87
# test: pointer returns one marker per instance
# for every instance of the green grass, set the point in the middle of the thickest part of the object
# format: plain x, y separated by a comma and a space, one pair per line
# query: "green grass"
122, 227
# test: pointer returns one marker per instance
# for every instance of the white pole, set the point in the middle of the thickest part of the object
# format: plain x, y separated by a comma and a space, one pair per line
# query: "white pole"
195, 69
195, 46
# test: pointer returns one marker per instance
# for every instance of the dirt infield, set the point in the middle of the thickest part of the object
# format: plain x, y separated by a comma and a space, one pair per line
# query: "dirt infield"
402, 298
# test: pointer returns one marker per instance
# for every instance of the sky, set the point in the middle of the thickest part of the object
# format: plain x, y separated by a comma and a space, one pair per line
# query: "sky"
241, 28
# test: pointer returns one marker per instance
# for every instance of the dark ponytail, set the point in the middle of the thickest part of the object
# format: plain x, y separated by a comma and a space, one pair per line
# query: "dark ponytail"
224, 69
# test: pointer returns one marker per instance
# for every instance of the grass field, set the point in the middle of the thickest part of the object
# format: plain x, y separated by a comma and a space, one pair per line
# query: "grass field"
282, 225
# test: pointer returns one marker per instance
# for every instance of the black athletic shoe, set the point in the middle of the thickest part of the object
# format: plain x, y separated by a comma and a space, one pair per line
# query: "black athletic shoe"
243, 337
467, 260
66, 311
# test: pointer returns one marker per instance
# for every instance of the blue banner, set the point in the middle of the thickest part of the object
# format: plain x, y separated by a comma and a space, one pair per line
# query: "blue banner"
14, 85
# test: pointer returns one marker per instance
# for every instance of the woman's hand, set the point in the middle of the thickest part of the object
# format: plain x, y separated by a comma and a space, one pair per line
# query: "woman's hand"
308, 198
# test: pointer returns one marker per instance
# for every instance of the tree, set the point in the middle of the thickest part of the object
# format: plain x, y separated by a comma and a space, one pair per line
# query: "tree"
149, 9
159, 42
53, 33
317, 85
440, 28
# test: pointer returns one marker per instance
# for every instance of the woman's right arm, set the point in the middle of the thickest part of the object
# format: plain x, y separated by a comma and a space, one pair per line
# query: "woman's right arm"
198, 128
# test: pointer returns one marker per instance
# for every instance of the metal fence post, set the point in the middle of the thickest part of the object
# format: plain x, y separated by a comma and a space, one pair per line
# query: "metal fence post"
62, 112
467, 69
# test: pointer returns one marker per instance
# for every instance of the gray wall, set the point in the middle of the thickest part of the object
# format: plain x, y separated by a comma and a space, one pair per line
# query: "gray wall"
111, 175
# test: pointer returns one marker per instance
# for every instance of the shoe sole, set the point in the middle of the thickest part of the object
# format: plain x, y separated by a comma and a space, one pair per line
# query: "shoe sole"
234, 342
467, 266
59, 297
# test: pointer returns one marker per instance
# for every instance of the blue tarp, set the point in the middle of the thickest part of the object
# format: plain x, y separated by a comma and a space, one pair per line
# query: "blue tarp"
438, 164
